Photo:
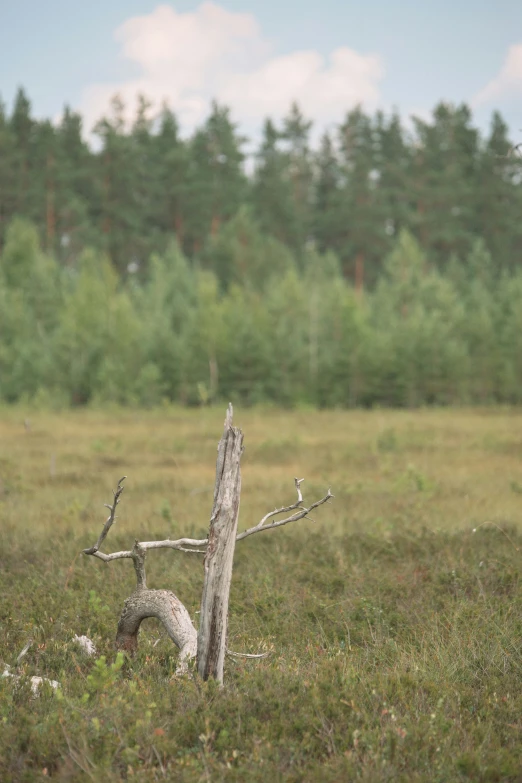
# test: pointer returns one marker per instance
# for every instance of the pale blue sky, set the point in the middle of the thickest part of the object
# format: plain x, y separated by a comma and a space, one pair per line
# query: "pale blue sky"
63, 51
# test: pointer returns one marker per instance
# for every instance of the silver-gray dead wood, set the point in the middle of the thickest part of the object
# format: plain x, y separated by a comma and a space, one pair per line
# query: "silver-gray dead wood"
209, 645
161, 604
219, 557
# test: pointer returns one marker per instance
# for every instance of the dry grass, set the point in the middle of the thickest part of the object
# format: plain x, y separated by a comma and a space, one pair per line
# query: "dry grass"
445, 470
396, 630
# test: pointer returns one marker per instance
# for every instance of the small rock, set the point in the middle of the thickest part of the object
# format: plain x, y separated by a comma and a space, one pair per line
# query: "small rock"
86, 644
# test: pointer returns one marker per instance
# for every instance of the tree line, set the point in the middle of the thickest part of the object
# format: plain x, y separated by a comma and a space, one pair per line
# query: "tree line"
297, 334
381, 268
368, 179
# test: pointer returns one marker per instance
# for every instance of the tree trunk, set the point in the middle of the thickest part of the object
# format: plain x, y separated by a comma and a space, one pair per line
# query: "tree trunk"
213, 377
215, 225
50, 215
212, 635
359, 273
179, 228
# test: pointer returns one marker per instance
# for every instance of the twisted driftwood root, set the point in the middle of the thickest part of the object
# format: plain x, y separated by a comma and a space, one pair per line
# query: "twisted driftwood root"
168, 609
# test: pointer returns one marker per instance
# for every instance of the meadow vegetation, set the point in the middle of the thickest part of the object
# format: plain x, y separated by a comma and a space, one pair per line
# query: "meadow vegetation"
394, 628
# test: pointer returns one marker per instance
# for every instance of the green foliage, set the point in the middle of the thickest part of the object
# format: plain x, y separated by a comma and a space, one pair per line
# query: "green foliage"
216, 183
257, 327
20, 254
105, 676
380, 269
446, 183
95, 344
240, 253
272, 193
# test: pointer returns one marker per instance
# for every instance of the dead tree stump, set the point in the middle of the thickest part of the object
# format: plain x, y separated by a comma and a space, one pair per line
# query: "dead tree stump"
219, 557
209, 644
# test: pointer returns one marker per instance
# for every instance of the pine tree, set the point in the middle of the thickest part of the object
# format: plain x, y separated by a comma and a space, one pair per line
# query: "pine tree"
21, 125
328, 228
78, 196
20, 253
165, 305
418, 317
216, 183
30, 301
170, 164
394, 164
203, 341
444, 181
143, 177
272, 196
7, 173
96, 346
245, 360
117, 170
296, 133
508, 343
241, 253
42, 190
361, 210
498, 196
337, 336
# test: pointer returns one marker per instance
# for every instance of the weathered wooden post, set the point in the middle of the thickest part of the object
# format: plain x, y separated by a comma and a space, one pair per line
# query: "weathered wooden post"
219, 557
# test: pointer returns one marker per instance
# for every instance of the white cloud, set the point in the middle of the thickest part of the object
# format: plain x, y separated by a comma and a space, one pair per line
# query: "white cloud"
324, 89
508, 81
190, 58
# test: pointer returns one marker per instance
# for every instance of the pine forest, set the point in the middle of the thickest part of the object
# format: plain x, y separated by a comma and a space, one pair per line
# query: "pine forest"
380, 265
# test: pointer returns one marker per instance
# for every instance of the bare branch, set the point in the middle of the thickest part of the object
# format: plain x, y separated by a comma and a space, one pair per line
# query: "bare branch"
24, 651
301, 514
110, 519
283, 509
249, 655
138, 558
182, 544
108, 558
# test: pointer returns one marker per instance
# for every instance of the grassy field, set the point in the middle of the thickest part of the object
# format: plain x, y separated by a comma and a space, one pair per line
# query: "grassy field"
395, 629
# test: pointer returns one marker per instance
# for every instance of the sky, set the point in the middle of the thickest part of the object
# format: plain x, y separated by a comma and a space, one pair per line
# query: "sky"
257, 56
